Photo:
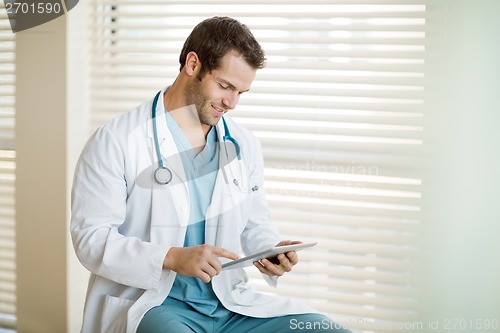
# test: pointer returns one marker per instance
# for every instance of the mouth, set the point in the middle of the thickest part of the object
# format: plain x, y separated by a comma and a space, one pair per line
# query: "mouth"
218, 112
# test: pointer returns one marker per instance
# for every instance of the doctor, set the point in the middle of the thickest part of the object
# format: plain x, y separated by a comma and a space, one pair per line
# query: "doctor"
165, 193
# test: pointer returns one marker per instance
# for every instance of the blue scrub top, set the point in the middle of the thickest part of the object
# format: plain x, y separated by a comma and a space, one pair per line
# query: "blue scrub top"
201, 173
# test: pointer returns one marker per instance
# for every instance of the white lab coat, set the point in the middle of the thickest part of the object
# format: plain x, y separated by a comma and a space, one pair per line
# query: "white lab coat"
123, 222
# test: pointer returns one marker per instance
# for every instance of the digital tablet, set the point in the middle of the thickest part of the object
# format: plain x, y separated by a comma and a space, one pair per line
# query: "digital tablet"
272, 252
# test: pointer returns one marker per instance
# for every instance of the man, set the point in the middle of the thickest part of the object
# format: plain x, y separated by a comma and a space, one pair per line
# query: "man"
155, 243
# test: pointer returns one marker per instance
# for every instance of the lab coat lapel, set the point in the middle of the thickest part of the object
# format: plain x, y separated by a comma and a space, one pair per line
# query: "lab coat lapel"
224, 198
216, 216
220, 190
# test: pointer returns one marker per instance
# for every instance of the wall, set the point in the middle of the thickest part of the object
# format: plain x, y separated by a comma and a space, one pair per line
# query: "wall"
460, 248
50, 132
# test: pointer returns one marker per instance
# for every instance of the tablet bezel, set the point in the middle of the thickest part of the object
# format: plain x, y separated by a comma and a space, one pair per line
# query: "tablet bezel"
249, 260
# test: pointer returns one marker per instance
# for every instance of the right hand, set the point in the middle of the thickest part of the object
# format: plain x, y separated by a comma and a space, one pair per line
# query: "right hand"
201, 261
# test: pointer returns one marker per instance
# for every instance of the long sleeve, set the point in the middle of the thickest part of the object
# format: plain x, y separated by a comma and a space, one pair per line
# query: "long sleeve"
99, 209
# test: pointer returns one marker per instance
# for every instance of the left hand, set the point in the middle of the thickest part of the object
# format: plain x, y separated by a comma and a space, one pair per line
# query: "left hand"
286, 261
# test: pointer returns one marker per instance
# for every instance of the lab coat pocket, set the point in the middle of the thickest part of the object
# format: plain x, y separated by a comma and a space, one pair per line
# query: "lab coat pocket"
242, 293
114, 314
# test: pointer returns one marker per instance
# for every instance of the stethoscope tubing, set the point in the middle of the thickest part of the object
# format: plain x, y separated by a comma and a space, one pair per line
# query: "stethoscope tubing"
162, 174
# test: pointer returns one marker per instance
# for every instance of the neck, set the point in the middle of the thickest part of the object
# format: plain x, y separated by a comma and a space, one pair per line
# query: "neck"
186, 116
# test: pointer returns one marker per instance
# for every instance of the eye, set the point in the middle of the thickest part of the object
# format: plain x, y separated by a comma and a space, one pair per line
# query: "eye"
223, 86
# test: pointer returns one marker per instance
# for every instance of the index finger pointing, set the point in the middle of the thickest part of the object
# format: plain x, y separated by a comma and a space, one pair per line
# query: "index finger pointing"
221, 252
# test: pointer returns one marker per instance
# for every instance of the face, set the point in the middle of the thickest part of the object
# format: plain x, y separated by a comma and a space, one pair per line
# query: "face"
219, 91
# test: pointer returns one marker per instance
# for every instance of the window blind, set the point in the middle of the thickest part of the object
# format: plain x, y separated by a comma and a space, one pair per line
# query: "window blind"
7, 173
338, 110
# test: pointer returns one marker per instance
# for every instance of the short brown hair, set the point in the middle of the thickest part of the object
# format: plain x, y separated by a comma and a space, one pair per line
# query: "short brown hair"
214, 37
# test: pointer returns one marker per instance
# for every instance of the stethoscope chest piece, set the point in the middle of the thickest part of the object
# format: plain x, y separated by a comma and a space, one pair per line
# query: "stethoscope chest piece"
163, 176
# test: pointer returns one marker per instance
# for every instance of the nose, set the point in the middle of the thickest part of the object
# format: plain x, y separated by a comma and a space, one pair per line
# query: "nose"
231, 99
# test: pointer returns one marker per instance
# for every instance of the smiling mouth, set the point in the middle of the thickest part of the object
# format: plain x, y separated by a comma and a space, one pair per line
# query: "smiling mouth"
218, 111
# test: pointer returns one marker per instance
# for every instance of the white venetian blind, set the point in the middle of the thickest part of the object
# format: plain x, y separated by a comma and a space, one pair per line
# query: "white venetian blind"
7, 173
339, 112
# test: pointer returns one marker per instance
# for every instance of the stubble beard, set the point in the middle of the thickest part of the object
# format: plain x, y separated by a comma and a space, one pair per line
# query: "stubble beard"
196, 97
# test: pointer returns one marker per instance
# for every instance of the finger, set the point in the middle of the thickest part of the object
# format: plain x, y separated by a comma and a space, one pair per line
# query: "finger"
274, 269
293, 257
204, 277
262, 269
216, 265
211, 272
285, 263
221, 252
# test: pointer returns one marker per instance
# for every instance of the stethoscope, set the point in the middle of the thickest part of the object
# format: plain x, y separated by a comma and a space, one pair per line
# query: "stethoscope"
163, 175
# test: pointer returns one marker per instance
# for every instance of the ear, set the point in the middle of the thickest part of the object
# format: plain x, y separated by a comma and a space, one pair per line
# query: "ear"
193, 64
